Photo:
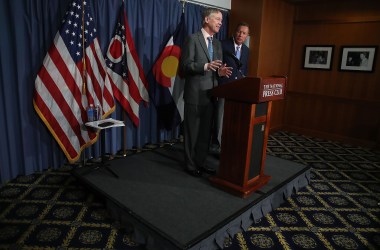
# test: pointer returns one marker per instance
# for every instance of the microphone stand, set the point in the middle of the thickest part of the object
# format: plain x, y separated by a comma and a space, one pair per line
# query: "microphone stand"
238, 63
239, 70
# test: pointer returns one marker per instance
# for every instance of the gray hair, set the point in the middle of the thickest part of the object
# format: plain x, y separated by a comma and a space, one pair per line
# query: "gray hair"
208, 12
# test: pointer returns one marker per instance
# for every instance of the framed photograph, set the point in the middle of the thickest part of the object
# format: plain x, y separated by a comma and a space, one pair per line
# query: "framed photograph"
358, 58
318, 56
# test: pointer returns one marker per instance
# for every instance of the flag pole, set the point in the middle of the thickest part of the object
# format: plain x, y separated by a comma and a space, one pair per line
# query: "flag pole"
124, 136
84, 53
177, 130
83, 72
124, 131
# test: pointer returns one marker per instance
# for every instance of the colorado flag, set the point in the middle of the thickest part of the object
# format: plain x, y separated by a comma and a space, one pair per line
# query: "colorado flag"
168, 92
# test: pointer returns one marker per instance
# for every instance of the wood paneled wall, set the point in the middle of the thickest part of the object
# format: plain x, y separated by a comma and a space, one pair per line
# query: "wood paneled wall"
250, 12
334, 104
271, 24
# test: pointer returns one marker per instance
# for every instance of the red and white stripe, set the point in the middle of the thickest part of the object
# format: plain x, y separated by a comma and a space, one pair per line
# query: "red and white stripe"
58, 97
136, 72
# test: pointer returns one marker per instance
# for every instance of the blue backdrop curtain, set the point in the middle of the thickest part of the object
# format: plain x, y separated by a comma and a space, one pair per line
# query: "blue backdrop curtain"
27, 30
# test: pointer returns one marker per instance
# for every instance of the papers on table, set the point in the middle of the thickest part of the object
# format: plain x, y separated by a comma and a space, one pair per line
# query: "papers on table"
105, 123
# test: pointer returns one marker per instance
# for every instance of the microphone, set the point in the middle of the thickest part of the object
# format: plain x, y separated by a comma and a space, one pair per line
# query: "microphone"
237, 61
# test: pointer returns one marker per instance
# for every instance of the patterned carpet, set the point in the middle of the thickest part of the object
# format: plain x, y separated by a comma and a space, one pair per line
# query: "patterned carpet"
340, 209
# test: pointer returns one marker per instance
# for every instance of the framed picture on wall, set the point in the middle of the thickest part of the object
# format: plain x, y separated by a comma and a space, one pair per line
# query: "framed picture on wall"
318, 57
358, 58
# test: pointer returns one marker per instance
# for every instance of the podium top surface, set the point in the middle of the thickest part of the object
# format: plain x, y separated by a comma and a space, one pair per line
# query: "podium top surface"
252, 89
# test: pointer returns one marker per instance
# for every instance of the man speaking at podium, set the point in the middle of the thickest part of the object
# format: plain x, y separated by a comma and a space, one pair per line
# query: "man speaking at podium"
201, 62
235, 55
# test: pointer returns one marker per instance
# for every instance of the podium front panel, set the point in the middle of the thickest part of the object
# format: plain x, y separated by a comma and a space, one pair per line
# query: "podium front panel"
236, 131
257, 150
261, 109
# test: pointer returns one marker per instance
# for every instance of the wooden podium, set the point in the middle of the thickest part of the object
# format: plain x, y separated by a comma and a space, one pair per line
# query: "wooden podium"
247, 110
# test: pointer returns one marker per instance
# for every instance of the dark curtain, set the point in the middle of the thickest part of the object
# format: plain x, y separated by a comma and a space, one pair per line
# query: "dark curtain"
27, 30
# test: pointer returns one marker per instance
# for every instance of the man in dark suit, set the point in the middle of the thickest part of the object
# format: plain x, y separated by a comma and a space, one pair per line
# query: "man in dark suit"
235, 54
201, 63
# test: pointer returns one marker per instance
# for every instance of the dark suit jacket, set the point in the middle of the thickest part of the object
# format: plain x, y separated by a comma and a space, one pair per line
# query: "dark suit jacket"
193, 58
228, 51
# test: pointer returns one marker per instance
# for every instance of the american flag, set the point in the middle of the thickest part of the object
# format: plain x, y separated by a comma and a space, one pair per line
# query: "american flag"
62, 93
123, 65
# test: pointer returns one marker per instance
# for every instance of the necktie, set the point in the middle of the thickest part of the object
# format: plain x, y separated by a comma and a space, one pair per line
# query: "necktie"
238, 52
210, 49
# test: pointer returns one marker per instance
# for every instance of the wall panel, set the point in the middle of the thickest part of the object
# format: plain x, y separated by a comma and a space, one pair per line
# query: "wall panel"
335, 104
351, 121
271, 24
331, 104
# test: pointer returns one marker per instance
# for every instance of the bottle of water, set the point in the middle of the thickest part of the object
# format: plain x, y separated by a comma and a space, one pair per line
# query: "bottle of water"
90, 113
97, 112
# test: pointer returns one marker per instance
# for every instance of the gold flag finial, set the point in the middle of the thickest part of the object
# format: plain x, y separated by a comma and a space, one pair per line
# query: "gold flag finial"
183, 5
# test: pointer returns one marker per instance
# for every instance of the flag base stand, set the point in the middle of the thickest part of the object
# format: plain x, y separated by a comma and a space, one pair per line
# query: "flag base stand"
102, 163
102, 125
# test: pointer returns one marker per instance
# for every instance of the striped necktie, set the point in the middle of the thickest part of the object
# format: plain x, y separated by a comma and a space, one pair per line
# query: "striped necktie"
238, 52
210, 49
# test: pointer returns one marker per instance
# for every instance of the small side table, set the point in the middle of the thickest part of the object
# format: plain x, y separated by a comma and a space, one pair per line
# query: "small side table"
102, 125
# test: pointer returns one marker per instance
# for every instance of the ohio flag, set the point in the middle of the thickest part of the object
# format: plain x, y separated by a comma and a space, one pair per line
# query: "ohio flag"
168, 92
123, 65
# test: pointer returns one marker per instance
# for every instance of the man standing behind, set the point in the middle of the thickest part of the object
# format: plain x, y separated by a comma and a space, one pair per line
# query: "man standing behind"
201, 63
235, 54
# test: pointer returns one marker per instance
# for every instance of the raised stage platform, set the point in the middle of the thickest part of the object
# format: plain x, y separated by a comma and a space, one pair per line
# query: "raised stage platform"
169, 209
